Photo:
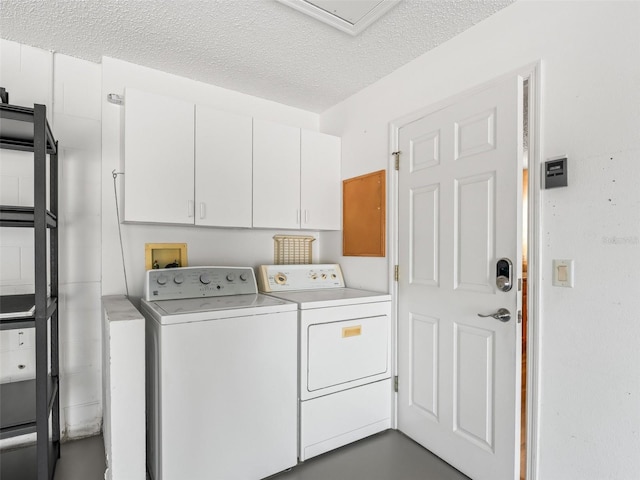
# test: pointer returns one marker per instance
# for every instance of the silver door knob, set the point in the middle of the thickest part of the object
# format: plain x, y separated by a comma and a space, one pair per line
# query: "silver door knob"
502, 314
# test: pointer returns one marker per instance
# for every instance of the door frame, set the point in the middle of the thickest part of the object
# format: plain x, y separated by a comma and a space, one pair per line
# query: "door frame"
532, 72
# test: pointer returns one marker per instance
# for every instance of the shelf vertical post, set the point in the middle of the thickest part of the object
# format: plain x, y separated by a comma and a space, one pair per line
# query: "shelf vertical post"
53, 265
40, 250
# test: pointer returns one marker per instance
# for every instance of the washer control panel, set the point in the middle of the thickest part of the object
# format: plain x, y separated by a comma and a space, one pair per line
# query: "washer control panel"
284, 278
197, 282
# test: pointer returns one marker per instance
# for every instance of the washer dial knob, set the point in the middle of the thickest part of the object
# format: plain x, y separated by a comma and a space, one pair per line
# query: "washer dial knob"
231, 277
205, 278
178, 279
243, 277
162, 280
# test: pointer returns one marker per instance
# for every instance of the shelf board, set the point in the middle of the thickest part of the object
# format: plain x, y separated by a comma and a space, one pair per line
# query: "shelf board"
15, 311
18, 413
18, 400
21, 463
14, 216
16, 129
17, 306
17, 323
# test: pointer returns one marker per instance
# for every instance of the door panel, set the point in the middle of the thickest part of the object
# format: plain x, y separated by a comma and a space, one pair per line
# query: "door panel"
473, 412
424, 365
425, 235
425, 151
459, 203
474, 232
475, 134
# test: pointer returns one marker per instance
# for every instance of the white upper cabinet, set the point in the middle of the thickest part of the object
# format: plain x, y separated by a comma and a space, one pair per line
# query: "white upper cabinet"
320, 181
158, 158
223, 191
296, 178
276, 175
186, 164
194, 165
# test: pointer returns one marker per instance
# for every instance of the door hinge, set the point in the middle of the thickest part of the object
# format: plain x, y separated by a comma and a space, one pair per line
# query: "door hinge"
395, 384
397, 155
396, 273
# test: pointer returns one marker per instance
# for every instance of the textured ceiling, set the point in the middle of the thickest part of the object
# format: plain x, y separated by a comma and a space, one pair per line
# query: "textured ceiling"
258, 47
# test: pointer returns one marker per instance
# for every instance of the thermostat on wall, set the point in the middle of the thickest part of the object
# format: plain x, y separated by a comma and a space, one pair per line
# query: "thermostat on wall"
555, 172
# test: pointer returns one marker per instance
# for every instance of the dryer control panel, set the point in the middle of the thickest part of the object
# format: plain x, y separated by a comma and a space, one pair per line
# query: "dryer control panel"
197, 282
285, 278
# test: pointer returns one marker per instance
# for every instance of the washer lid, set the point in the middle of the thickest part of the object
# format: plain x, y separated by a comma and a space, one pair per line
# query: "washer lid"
214, 308
332, 297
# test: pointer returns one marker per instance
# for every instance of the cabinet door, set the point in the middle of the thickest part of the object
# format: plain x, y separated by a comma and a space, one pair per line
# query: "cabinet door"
276, 175
158, 158
223, 168
320, 181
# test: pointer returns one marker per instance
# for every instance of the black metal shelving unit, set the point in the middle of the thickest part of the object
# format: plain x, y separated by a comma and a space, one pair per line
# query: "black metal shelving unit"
33, 405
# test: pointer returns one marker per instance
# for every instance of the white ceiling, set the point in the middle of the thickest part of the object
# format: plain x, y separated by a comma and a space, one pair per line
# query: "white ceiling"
259, 47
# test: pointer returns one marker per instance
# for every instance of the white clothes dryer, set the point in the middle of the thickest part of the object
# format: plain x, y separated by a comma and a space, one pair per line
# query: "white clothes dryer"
345, 354
221, 376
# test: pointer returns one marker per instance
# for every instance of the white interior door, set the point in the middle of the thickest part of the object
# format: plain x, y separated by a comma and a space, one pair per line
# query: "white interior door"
460, 197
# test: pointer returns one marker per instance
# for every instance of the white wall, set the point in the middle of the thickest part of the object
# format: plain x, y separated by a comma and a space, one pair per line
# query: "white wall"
77, 127
590, 360
72, 88
206, 246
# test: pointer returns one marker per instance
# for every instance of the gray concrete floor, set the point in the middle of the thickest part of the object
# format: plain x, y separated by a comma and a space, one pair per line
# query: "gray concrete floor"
387, 456
81, 460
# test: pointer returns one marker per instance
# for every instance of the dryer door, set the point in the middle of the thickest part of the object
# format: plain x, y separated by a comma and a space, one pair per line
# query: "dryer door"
342, 352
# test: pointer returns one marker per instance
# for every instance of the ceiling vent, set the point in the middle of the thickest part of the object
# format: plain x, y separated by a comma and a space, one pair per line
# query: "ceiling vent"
350, 16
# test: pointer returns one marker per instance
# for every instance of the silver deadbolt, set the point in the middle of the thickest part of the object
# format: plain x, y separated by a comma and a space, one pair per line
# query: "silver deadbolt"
504, 274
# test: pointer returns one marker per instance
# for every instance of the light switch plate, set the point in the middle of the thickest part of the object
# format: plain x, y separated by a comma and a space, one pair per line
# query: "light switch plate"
563, 273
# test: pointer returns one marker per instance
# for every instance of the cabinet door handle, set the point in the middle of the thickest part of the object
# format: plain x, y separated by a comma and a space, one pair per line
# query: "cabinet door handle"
190, 208
306, 216
203, 210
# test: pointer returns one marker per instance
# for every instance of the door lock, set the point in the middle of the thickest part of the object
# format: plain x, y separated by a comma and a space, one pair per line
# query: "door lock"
504, 274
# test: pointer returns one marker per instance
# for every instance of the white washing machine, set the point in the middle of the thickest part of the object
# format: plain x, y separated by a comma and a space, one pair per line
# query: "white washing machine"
221, 376
345, 354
